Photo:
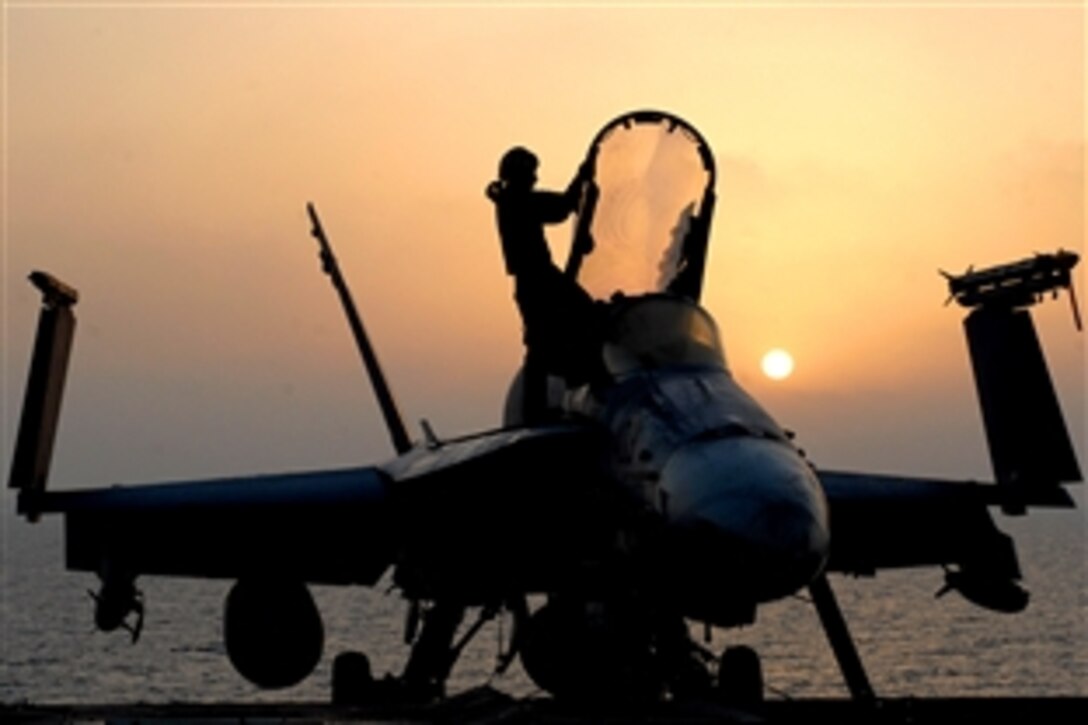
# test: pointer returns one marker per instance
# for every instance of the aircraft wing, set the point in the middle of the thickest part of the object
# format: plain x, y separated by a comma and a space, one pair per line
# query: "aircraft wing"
510, 510
881, 521
298, 524
335, 526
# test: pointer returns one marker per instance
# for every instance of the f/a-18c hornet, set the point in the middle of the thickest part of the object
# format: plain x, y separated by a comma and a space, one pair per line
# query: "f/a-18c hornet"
649, 493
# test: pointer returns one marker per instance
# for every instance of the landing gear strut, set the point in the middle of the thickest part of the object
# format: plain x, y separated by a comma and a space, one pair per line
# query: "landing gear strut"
423, 678
433, 655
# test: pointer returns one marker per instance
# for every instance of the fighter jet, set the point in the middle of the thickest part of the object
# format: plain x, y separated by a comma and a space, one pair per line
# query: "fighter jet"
651, 496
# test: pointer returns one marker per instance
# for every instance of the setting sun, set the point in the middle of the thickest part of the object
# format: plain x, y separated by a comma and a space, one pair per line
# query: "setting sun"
777, 364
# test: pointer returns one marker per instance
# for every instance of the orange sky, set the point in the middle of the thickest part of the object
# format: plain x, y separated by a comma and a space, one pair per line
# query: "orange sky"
159, 159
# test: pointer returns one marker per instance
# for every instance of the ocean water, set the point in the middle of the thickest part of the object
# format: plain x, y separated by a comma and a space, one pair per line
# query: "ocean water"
912, 644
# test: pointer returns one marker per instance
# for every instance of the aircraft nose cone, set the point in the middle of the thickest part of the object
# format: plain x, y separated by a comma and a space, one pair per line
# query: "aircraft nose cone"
746, 516
771, 549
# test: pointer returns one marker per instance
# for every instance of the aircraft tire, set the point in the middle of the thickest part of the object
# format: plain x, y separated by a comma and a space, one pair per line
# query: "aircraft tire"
740, 676
578, 659
352, 679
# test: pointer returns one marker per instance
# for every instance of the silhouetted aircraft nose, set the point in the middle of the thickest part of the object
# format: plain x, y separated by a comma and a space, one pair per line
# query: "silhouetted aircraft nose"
747, 519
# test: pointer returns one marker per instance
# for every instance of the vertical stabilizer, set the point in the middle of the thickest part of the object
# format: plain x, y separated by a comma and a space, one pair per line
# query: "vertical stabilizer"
393, 420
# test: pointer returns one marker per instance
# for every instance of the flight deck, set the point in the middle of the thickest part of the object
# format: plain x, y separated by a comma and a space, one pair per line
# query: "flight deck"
486, 705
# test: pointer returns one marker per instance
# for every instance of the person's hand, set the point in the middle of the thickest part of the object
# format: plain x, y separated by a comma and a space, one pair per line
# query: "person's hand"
574, 189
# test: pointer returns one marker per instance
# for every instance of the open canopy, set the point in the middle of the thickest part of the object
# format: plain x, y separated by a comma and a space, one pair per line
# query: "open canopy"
645, 214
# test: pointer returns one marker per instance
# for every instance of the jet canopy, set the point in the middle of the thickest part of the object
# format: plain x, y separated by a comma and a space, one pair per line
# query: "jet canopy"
645, 214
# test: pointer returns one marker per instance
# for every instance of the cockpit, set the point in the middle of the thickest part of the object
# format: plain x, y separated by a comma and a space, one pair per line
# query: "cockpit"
627, 300
659, 331
640, 243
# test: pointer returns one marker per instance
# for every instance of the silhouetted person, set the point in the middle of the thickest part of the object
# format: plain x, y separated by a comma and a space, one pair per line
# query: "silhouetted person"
549, 302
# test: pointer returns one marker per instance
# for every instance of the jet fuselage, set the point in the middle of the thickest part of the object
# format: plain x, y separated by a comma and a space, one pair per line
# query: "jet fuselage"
740, 515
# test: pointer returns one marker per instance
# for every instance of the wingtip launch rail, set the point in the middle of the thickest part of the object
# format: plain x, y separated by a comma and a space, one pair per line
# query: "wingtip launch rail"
1017, 284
